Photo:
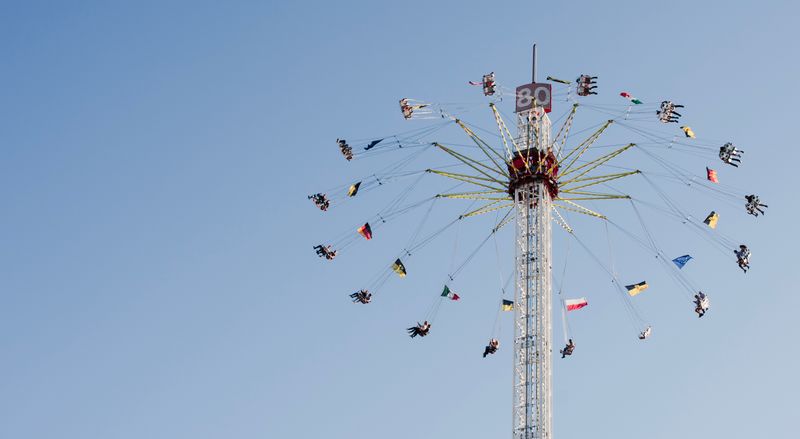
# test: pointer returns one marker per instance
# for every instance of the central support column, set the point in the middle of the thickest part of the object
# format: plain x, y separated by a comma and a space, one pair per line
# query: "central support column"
533, 303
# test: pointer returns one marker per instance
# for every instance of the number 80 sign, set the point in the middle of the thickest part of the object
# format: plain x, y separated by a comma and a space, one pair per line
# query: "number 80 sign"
539, 93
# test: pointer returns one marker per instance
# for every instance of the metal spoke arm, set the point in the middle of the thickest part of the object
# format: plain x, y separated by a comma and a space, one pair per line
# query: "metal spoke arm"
501, 126
592, 181
594, 196
470, 179
565, 128
574, 207
478, 194
487, 150
588, 167
491, 207
578, 151
472, 163
561, 221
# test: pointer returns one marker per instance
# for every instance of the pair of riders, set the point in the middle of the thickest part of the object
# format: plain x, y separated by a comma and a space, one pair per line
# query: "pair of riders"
408, 108
586, 85
701, 304
667, 112
729, 154
743, 257
488, 84
326, 252
492, 347
346, 150
362, 296
421, 329
321, 201
754, 205
568, 349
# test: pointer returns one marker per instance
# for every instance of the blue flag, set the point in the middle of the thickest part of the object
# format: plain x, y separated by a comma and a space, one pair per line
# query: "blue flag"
680, 261
371, 144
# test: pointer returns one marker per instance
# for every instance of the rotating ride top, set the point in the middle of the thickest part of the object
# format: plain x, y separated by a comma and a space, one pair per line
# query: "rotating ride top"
536, 179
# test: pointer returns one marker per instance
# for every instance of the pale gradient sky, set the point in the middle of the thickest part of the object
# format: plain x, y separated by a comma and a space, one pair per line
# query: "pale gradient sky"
156, 274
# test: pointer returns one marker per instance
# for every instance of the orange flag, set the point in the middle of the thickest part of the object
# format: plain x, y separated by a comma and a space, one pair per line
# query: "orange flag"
711, 175
365, 231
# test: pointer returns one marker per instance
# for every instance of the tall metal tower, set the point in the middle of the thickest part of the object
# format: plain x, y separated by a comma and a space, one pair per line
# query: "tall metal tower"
535, 180
533, 189
538, 180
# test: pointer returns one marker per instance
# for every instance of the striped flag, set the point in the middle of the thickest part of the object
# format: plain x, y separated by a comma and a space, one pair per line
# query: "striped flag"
365, 231
508, 305
637, 288
449, 294
573, 304
711, 175
628, 96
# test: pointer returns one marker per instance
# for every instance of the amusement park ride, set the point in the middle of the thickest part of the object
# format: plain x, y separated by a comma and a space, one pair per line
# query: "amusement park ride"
533, 177
533, 186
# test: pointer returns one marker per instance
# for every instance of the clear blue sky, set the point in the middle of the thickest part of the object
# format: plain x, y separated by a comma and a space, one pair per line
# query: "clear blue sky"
156, 272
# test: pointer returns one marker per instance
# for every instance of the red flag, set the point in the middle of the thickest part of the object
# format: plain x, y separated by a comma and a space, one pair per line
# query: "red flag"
629, 97
711, 175
573, 304
365, 231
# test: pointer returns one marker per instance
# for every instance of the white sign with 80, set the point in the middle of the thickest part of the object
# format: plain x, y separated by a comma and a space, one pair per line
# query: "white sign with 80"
539, 93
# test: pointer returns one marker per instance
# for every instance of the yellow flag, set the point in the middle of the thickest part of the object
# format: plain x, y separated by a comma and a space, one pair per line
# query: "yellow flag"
353, 189
711, 219
399, 268
637, 288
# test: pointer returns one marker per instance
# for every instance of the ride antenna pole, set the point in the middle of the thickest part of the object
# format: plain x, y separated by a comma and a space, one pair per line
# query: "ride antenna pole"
533, 192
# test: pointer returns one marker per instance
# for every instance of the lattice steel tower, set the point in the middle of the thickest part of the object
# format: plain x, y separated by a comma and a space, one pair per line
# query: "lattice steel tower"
540, 178
533, 187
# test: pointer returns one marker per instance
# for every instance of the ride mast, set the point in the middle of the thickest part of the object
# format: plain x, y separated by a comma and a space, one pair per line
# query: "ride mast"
533, 187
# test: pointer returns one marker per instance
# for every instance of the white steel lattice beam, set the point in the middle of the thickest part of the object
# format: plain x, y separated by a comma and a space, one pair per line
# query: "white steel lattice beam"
532, 416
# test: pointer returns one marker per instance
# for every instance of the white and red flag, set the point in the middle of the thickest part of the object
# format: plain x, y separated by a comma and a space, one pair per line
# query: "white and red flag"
573, 304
